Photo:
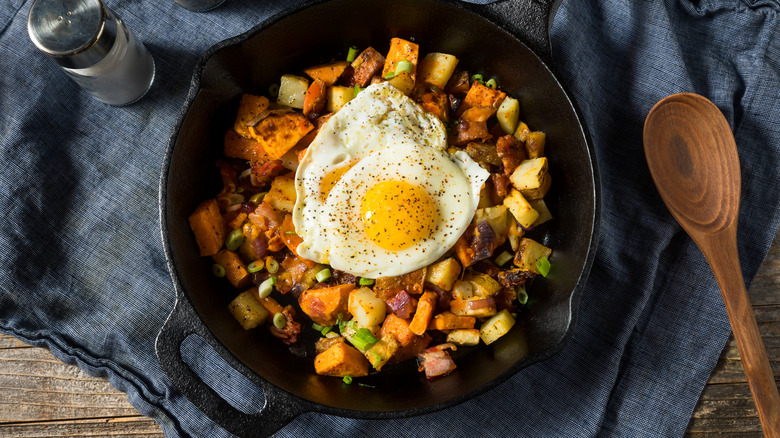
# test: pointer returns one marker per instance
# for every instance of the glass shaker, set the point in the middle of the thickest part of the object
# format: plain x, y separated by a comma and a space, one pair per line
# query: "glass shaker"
94, 48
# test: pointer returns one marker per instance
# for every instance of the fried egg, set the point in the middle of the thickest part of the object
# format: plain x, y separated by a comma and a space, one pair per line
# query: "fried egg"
377, 193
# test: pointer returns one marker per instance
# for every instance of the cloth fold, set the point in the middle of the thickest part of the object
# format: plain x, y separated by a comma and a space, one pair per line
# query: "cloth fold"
83, 271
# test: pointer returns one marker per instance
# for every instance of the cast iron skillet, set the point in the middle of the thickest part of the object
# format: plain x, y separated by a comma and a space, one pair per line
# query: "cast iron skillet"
318, 32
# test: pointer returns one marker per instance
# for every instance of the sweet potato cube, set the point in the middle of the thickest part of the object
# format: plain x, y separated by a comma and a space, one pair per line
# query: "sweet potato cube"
278, 131
341, 360
281, 196
288, 235
235, 269
398, 328
248, 149
314, 100
401, 50
364, 67
324, 305
481, 96
209, 227
269, 303
422, 316
450, 321
249, 107
327, 73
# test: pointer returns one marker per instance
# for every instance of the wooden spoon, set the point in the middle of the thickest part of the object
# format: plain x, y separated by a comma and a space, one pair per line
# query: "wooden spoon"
693, 160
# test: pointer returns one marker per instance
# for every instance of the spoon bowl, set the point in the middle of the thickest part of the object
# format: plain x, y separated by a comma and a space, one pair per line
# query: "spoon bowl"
693, 160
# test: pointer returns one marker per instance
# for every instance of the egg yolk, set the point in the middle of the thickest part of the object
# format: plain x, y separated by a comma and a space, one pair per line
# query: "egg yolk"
397, 214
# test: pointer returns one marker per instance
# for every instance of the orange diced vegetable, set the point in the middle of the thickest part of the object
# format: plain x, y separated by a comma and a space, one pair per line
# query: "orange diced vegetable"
270, 304
401, 50
324, 305
314, 101
341, 360
209, 227
450, 321
481, 96
432, 101
237, 221
399, 329
235, 269
249, 107
419, 344
327, 73
364, 67
237, 146
288, 234
279, 130
422, 316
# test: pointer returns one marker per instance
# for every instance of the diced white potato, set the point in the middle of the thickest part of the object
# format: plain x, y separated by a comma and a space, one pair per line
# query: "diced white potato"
437, 68
521, 132
476, 307
382, 351
443, 274
466, 337
404, 82
544, 212
495, 327
338, 96
528, 254
529, 174
483, 285
247, 310
462, 290
520, 209
485, 200
497, 218
367, 309
292, 91
514, 234
534, 144
282, 195
508, 114
538, 192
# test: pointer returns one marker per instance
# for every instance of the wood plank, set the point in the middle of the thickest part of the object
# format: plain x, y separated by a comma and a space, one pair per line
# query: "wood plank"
130, 427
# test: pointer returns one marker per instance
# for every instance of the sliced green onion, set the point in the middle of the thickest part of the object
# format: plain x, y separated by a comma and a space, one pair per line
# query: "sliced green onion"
218, 270
255, 266
290, 232
271, 264
356, 90
266, 287
389, 75
347, 379
522, 295
365, 385
234, 240
316, 326
374, 358
366, 281
257, 198
352, 53
280, 320
323, 275
492, 84
403, 66
273, 90
326, 330
543, 265
478, 77
363, 339
503, 258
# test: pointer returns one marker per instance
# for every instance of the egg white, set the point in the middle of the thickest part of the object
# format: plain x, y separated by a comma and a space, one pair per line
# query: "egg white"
390, 138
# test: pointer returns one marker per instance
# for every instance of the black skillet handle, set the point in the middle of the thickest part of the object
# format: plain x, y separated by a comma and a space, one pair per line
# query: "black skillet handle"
278, 410
528, 20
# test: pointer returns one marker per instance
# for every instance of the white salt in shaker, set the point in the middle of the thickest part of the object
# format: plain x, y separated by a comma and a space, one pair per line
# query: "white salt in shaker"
94, 47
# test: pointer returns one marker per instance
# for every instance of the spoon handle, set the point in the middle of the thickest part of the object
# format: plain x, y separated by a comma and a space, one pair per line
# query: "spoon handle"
720, 250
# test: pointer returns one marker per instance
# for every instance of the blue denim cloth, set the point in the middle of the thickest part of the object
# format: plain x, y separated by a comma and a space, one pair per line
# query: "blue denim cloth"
83, 271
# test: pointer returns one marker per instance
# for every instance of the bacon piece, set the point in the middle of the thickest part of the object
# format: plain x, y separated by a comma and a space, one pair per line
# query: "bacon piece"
264, 173
402, 304
436, 361
289, 333
511, 152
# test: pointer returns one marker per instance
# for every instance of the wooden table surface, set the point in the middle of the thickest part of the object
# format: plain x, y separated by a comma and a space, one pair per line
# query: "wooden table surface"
41, 397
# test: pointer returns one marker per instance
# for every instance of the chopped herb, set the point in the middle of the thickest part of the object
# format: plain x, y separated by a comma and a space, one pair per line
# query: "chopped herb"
347, 379
266, 287
323, 275
492, 84
271, 265
279, 320
316, 326
403, 67
255, 266
522, 295
234, 240
543, 265
503, 258
363, 339
290, 232
273, 91
257, 198
477, 77
352, 54
366, 385
356, 90
218, 270
389, 75
366, 281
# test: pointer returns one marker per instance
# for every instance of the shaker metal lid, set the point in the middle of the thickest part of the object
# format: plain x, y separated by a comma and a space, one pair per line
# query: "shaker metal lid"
76, 33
